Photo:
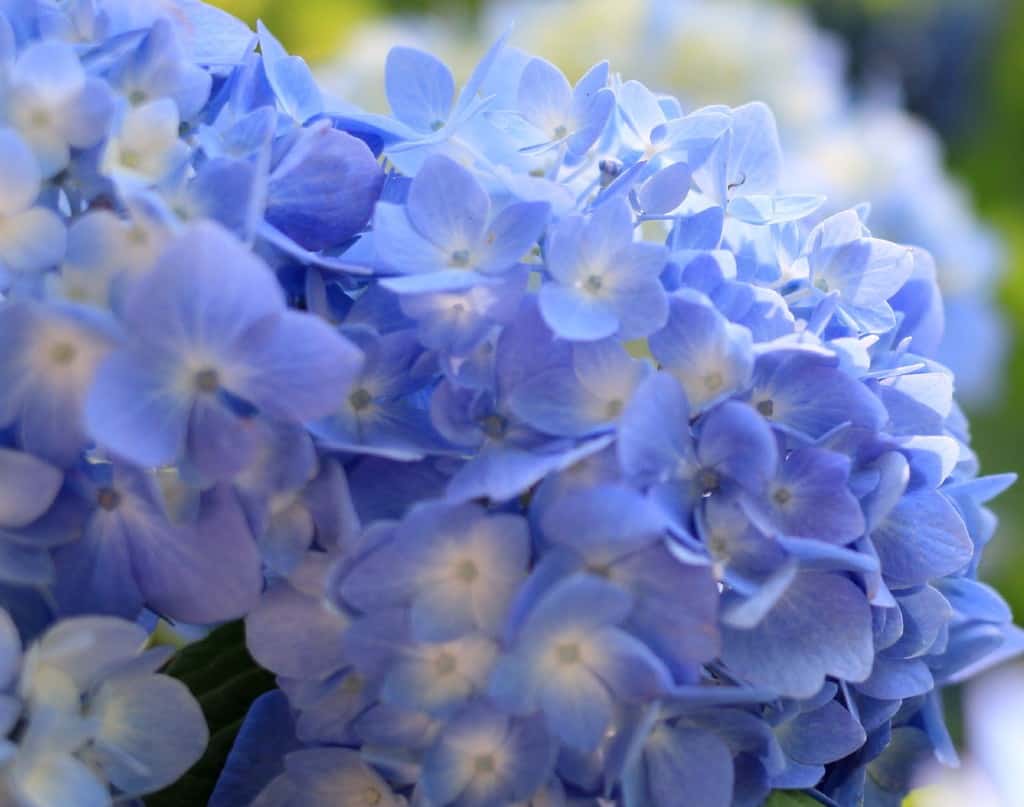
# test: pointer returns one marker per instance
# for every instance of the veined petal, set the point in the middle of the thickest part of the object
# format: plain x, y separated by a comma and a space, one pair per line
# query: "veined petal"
131, 410
420, 88
447, 205
304, 371
152, 721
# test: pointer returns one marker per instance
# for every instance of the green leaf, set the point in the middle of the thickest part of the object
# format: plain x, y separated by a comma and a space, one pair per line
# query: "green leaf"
790, 798
225, 680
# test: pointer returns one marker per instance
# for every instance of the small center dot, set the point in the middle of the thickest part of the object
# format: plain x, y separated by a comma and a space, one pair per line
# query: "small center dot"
568, 653
131, 159
614, 408
602, 570
494, 426
467, 571
138, 236
718, 546
353, 684
371, 796
63, 353
713, 382
766, 408
446, 663
560, 132
108, 499
207, 380
484, 763
360, 399
594, 284
460, 258
782, 496
708, 480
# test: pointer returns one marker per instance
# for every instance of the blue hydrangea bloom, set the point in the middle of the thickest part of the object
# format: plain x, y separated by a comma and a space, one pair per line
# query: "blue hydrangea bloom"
552, 449
54, 104
603, 282
196, 364
557, 113
78, 709
572, 662
445, 238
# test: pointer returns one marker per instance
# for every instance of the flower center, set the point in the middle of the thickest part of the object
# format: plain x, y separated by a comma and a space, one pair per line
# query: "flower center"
718, 546
494, 426
206, 380
602, 570
484, 763
593, 284
708, 481
353, 684
360, 399
653, 150
766, 408
568, 653
137, 235
137, 97
782, 496
40, 118
613, 408
63, 353
460, 258
467, 571
560, 132
371, 796
131, 159
445, 664
108, 499
713, 382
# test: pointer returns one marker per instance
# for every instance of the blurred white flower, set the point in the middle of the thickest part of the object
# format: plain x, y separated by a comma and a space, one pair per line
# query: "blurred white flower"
992, 772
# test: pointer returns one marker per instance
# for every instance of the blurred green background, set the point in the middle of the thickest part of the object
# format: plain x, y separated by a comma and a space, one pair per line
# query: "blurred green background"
963, 74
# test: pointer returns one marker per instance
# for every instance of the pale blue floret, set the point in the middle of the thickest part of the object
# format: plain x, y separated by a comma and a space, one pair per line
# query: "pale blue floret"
88, 697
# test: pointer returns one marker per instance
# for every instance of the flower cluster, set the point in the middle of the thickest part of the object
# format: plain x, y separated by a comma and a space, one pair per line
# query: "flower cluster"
78, 711
552, 452
855, 147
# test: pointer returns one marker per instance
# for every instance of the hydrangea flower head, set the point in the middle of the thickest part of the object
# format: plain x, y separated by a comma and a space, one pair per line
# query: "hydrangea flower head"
554, 451
717, 589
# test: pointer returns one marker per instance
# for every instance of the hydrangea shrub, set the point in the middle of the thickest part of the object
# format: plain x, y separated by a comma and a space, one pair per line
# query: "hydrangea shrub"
550, 452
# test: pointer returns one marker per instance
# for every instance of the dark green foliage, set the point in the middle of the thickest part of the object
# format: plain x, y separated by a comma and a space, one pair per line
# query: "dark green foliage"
222, 675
